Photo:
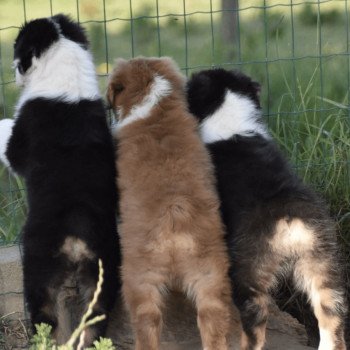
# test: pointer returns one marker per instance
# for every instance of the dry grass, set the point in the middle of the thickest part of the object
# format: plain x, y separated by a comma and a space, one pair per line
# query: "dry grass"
14, 333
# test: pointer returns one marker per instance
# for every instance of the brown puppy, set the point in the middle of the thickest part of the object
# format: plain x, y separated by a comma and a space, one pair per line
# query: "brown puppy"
171, 231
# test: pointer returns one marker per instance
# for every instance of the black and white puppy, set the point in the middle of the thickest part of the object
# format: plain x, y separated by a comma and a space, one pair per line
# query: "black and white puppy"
59, 141
275, 224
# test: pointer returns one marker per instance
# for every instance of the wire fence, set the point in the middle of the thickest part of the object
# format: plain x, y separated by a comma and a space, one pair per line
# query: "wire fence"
298, 51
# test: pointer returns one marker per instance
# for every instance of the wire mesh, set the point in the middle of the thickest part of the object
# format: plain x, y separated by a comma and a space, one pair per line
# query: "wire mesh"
298, 51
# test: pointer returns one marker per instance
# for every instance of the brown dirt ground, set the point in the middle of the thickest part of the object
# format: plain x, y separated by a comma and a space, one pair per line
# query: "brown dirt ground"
179, 333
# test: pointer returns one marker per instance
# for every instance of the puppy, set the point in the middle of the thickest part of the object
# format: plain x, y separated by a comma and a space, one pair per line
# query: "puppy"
60, 143
275, 224
171, 232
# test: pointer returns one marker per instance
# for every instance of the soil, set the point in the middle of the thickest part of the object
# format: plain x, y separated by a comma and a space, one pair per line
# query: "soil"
180, 331
13, 333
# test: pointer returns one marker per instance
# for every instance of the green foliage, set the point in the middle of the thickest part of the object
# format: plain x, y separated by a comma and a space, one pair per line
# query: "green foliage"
42, 339
12, 206
103, 344
310, 16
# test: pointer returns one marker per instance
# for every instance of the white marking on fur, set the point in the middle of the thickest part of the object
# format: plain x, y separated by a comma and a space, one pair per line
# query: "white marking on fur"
238, 115
292, 237
326, 340
65, 72
6, 126
160, 88
76, 249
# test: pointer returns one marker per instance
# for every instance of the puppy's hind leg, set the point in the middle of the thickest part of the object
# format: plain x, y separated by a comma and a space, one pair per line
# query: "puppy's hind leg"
143, 298
210, 289
42, 280
42, 306
322, 285
317, 273
252, 279
253, 307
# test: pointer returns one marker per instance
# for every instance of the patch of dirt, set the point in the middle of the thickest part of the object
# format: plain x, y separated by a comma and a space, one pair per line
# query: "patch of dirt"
180, 330
13, 333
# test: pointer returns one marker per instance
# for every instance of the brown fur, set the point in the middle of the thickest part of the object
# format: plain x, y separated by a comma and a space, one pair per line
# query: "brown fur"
171, 231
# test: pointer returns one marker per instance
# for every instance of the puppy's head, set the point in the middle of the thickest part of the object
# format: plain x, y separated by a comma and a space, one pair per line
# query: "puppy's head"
142, 82
226, 103
206, 90
37, 36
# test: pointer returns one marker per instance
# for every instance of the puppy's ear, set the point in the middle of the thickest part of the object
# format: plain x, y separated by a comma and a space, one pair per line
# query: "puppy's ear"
71, 30
110, 95
203, 81
113, 88
199, 84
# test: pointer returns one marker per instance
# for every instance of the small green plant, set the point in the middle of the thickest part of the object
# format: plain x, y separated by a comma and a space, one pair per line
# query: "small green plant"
42, 339
12, 206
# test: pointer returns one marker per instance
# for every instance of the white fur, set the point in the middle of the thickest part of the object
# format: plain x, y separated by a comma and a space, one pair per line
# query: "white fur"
160, 88
6, 126
326, 340
65, 71
237, 116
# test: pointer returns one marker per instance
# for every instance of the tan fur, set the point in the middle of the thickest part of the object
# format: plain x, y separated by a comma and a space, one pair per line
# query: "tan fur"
292, 236
171, 231
64, 327
76, 249
244, 341
56, 307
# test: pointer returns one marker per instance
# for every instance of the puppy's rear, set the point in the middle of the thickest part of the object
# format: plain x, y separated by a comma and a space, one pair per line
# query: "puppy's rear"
171, 233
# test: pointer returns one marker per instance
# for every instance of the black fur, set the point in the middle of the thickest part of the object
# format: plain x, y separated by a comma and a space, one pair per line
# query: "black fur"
36, 36
71, 30
65, 153
206, 90
258, 188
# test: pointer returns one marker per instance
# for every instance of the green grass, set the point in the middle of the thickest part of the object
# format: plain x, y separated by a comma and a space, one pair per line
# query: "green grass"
12, 206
